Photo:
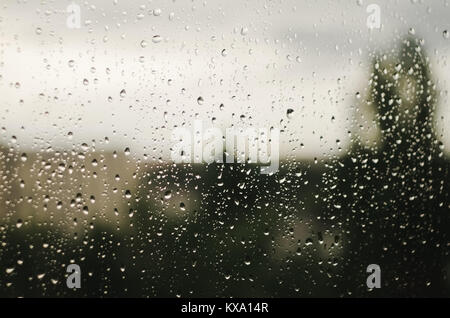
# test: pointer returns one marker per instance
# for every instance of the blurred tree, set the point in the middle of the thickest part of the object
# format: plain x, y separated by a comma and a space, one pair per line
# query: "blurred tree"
395, 205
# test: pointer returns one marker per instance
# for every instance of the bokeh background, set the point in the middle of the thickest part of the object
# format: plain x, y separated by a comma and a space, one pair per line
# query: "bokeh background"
86, 177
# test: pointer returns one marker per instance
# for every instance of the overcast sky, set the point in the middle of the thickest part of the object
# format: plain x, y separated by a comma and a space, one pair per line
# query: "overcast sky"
257, 58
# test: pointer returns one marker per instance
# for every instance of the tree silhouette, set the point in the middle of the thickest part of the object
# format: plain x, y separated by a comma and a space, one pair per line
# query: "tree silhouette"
395, 199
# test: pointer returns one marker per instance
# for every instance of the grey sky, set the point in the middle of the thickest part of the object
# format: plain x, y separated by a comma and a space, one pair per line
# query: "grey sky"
258, 58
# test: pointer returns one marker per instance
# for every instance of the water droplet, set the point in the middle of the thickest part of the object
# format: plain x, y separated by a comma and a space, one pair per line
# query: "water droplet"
156, 39
290, 113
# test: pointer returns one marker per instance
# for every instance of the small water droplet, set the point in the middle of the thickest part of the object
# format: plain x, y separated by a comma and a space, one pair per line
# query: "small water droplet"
290, 113
156, 39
